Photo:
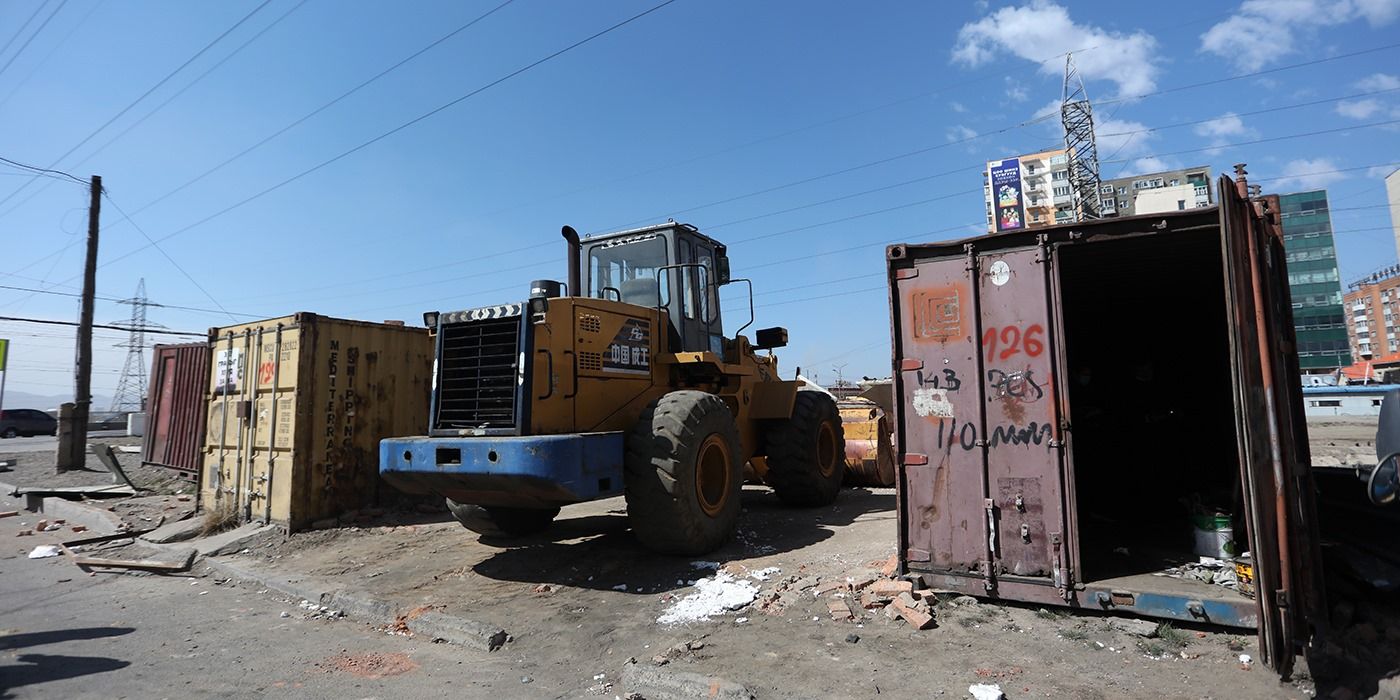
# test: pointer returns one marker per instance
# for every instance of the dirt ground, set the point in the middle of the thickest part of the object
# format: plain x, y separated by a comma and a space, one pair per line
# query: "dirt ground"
35, 469
583, 598
1342, 441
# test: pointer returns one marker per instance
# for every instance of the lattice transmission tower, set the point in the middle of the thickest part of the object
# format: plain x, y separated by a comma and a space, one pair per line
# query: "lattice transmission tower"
1078, 119
131, 388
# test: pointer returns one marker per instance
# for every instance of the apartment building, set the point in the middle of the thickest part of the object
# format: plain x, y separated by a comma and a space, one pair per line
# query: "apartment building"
1171, 190
1028, 191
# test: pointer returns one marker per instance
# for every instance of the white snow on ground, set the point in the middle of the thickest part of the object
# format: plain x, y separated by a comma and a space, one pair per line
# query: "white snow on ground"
712, 596
764, 574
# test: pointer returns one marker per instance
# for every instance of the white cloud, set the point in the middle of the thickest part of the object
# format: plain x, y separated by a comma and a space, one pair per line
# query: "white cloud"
1380, 171
1378, 81
1308, 174
1358, 109
961, 133
1119, 139
1222, 129
1227, 124
1015, 91
1150, 164
958, 107
1041, 29
1263, 31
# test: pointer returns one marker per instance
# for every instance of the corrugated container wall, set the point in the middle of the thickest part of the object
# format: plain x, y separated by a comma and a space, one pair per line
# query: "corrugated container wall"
1070, 402
175, 407
297, 407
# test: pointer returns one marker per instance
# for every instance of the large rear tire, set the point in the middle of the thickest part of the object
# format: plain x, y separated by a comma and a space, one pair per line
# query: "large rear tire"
684, 474
498, 521
807, 452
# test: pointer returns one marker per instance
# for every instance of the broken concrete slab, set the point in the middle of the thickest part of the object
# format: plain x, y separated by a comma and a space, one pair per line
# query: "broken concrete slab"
1134, 626
178, 531
658, 683
231, 541
457, 630
95, 518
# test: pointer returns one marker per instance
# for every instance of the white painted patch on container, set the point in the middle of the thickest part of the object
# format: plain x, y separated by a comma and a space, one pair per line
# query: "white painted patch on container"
933, 403
712, 596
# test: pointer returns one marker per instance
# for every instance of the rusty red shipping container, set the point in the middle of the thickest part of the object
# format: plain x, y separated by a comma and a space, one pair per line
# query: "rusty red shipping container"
1062, 395
175, 407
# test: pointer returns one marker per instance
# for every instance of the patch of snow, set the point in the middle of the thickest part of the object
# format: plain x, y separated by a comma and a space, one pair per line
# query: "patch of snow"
620, 587
713, 596
711, 565
44, 551
986, 691
765, 573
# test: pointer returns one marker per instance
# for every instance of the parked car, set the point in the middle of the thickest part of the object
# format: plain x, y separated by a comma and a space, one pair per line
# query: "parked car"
15, 422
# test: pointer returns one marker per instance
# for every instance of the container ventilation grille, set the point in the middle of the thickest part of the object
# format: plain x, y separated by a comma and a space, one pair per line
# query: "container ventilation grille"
590, 323
591, 361
477, 374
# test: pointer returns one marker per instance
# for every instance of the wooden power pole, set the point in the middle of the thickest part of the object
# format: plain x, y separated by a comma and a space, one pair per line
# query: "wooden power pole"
72, 444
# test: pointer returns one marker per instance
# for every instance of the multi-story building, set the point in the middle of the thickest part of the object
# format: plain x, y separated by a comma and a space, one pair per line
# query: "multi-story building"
1154, 193
1028, 191
1319, 319
1372, 313
1392, 196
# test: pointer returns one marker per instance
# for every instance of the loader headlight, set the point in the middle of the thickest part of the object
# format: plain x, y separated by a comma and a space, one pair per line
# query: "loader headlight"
430, 319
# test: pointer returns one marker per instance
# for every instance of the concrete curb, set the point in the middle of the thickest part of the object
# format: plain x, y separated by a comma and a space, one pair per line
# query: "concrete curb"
656, 683
99, 520
361, 606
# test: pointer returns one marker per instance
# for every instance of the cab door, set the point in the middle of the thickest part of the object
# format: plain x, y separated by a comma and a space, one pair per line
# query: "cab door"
1273, 455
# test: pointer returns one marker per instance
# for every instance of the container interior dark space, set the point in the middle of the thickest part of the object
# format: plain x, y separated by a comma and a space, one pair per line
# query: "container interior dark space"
1147, 359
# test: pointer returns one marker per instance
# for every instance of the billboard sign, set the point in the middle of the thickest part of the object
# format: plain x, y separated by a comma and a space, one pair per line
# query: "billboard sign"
1007, 204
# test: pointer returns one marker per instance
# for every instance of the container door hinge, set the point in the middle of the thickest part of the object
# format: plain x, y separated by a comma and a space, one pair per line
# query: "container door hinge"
1281, 599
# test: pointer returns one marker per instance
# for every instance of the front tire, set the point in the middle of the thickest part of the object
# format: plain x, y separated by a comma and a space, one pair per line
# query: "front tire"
500, 521
807, 452
684, 474
9, 433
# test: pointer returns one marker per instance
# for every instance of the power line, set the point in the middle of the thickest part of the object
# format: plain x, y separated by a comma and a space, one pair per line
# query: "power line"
323, 107
24, 26
1266, 140
57, 45
116, 299
96, 325
44, 171
169, 259
36, 33
397, 129
143, 96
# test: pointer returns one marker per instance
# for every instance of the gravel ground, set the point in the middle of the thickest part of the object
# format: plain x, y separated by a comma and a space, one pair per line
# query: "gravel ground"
35, 469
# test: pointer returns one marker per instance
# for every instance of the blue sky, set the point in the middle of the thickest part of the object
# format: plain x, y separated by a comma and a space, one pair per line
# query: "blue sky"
805, 135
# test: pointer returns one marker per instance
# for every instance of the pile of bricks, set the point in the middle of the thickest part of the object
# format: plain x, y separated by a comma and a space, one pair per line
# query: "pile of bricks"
859, 595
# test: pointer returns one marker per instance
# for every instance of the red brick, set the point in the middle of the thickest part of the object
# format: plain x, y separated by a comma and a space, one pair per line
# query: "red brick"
891, 566
916, 618
891, 589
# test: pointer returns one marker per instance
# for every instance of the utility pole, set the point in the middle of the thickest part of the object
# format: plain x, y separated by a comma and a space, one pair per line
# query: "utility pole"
72, 444
840, 378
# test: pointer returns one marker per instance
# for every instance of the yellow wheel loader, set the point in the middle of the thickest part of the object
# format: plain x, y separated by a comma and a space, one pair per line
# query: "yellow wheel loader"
620, 382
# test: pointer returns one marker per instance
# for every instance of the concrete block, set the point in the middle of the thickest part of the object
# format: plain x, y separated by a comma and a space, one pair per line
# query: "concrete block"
660, 683
458, 630
99, 520
178, 531
231, 541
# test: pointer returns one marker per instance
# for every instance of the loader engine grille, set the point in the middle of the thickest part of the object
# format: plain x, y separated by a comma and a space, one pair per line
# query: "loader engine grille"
477, 374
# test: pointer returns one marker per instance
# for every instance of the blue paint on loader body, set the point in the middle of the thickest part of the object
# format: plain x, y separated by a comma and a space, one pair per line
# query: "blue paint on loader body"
536, 471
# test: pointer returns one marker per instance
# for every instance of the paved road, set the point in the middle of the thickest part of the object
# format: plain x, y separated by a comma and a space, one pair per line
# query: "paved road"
46, 443
66, 634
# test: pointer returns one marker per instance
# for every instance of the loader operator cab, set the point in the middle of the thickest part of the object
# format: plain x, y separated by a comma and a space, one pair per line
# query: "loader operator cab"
671, 266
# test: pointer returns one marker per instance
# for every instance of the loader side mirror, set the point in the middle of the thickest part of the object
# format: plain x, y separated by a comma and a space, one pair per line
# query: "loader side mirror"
1383, 482
722, 270
769, 338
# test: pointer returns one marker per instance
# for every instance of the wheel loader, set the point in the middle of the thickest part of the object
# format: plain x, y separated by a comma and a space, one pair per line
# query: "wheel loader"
620, 382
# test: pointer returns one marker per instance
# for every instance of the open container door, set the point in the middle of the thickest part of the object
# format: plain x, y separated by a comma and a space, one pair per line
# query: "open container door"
1273, 469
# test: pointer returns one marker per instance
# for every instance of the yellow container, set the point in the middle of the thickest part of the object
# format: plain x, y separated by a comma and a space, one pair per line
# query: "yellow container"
296, 409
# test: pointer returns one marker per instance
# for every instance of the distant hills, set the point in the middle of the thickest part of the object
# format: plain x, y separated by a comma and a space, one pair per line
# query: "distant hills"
24, 399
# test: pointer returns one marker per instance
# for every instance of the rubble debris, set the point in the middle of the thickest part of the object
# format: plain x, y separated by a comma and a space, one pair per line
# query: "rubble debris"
1208, 570
914, 611
24, 533
852, 638
890, 566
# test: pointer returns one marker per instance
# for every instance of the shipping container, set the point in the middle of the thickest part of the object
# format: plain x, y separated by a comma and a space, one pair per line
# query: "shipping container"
1066, 399
174, 431
296, 409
